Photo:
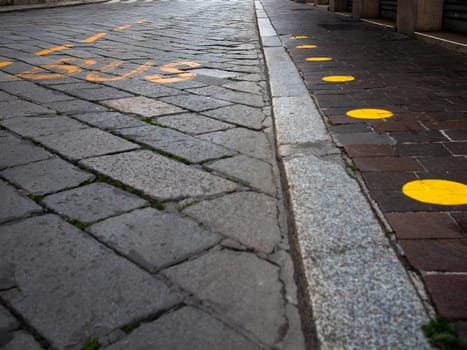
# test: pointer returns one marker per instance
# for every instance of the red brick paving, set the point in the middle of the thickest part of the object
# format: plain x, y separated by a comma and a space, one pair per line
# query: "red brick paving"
448, 295
426, 89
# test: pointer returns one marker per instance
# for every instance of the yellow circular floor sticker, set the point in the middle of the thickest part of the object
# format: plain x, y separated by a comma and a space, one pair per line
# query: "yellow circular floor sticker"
306, 47
296, 37
434, 191
318, 59
338, 78
369, 113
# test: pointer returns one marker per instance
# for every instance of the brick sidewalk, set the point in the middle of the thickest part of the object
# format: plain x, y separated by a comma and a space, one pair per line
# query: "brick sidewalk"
425, 87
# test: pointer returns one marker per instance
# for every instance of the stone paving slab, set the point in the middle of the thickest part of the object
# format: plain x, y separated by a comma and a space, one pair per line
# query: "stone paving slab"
93, 202
188, 147
16, 151
243, 140
69, 286
247, 217
46, 176
195, 103
86, 143
185, 329
252, 290
143, 106
15, 205
42, 126
109, 120
246, 116
253, 172
192, 123
153, 239
157, 176
21, 108
21, 340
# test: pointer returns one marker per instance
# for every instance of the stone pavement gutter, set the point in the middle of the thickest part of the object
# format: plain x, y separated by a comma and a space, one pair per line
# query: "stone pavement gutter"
361, 296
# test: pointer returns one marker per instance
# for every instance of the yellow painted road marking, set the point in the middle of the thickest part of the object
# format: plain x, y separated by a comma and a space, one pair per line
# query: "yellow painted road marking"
170, 68
318, 59
338, 78
122, 27
141, 21
369, 113
434, 191
38, 73
306, 46
53, 49
94, 76
94, 38
296, 37
5, 63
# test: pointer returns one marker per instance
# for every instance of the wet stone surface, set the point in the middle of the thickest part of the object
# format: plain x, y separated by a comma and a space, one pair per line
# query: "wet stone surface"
146, 155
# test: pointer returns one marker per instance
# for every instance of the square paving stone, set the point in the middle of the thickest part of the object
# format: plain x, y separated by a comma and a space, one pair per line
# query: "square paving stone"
159, 177
244, 287
238, 114
71, 287
424, 225
185, 329
14, 205
152, 238
99, 94
93, 202
188, 147
245, 141
195, 103
252, 171
21, 108
193, 123
33, 92
143, 106
449, 295
7, 321
42, 126
75, 106
46, 176
248, 217
16, 151
109, 120
436, 255
86, 143
21, 340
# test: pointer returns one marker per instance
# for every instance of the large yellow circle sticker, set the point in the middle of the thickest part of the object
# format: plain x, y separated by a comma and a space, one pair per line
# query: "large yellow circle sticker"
318, 59
435, 191
369, 113
338, 78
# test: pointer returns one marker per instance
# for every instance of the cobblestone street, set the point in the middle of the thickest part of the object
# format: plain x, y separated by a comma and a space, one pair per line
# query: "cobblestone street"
141, 201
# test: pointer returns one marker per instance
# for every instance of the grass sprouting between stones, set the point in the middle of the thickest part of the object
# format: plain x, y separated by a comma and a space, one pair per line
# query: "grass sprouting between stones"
91, 343
441, 335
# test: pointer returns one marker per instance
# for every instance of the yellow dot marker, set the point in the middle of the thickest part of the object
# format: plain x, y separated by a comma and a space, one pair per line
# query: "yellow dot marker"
369, 113
318, 59
306, 46
141, 21
5, 63
296, 37
433, 191
338, 78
